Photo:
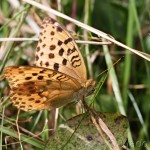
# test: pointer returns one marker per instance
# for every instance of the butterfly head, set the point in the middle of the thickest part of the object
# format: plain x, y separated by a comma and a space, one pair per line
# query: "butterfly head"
88, 87
90, 83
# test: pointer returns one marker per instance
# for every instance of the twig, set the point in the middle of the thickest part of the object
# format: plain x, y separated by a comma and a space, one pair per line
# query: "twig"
101, 126
89, 28
19, 135
36, 39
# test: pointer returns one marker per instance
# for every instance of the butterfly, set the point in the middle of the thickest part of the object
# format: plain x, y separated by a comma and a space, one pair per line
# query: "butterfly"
58, 77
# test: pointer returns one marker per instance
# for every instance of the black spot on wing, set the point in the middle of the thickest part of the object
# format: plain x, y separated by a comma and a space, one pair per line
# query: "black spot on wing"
68, 40
62, 78
37, 101
76, 61
70, 51
52, 33
74, 57
49, 20
64, 62
42, 71
52, 47
38, 49
41, 63
31, 99
41, 54
51, 55
56, 66
52, 74
47, 64
59, 29
28, 78
60, 42
43, 45
61, 51
36, 57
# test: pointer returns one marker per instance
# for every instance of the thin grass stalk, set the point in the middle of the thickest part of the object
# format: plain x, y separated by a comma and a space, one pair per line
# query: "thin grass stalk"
87, 20
128, 59
38, 117
127, 66
139, 114
1, 133
114, 79
137, 22
45, 133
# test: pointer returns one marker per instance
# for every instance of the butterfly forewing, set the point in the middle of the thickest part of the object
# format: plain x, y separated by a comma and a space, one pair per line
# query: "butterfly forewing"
57, 50
39, 88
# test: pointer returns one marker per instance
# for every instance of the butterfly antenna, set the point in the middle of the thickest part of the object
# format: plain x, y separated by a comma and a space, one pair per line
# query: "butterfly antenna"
108, 69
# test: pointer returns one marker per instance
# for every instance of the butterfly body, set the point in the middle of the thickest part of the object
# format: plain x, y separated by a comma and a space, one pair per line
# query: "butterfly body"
59, 74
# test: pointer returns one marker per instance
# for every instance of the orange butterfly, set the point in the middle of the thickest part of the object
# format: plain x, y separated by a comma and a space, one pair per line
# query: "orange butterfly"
59, 75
